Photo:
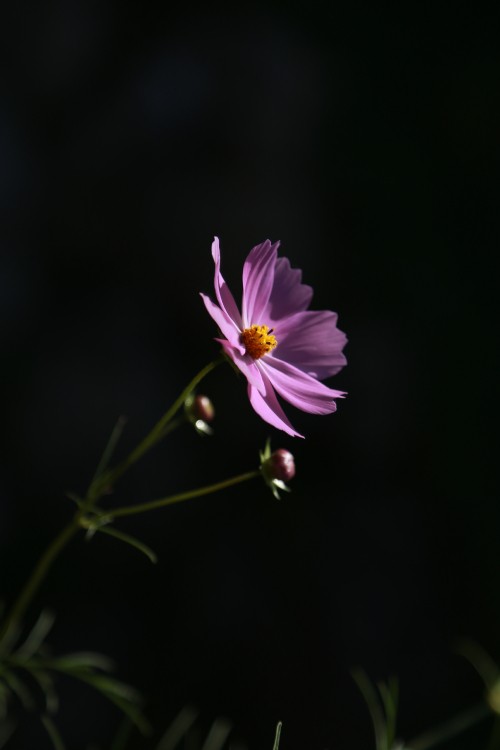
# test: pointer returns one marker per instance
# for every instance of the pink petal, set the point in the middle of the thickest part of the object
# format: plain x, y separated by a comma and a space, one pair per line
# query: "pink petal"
222, 292
311, 341
300, 389
246, 364
288, 295
268, 408
258, 279
225, 323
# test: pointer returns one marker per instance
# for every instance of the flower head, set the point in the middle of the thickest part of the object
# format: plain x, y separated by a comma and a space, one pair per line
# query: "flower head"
278, 344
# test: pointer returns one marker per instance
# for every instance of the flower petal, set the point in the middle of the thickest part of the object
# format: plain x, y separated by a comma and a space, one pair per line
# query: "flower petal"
288, 295
225, 323
258, 279
222, 292
300, 389
244, 363
311, 341
268, 407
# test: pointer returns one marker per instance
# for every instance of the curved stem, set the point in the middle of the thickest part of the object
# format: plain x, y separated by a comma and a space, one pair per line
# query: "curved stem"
157, 433
98, 485
179, 498
40, 571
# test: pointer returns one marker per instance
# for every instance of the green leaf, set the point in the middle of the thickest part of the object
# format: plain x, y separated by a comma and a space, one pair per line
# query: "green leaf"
74, 498
108, 451
122, 736
37, 636
178, 729
109, 686
132, 541
53, 732
390, 693
18, 687
277, 736
9, 639
122, 695
46, 684
79, 660
372, 701
218, 734
480, 659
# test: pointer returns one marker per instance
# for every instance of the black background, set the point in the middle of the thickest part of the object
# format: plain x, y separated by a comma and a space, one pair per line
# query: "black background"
366, 139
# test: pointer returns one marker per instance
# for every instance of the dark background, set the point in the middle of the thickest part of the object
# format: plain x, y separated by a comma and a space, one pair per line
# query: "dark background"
366, 139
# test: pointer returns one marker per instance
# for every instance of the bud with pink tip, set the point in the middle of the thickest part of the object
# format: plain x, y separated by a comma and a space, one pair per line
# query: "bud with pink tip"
281, 465
200, 411
277, 468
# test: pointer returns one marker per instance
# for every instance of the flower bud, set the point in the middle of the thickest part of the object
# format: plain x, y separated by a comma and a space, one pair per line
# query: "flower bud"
277, 468
202, 408
280, 465
200, 411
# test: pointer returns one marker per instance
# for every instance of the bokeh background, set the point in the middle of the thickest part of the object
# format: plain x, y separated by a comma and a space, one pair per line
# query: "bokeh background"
366, 139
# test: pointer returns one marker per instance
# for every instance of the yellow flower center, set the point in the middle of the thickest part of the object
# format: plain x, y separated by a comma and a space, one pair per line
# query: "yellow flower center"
258, 340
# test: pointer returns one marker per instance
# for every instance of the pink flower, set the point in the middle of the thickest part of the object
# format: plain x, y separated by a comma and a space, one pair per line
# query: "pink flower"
279, 345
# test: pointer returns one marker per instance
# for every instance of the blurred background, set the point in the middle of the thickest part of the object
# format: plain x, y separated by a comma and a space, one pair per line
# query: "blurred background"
366, 139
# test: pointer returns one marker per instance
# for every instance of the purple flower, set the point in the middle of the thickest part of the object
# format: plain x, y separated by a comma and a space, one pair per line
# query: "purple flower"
279, 345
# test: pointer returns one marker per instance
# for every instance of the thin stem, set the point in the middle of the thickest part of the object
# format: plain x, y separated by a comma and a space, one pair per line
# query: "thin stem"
157, 433
133, 510
40, 571
451, 728
98, 485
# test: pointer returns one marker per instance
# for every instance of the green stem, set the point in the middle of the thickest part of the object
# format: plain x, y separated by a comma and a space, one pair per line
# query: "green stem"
451, 728
40, 571
133, 510
156, 434
98, 485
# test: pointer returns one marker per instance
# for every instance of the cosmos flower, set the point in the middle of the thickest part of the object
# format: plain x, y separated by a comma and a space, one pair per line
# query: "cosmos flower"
279, 345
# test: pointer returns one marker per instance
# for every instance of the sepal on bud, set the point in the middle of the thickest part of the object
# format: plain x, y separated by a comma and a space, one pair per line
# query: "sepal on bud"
276, 467
200, 411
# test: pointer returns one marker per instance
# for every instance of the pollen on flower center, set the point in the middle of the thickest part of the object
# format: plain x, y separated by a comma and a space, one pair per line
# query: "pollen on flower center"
258, 340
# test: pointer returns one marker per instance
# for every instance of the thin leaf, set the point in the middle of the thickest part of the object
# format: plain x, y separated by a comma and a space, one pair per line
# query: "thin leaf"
372, 701
79, 660
123, 734
37, 635
74, 498
132, 541
389, 693
277, 736
480, 659
53, 732
133, 712
18, 687
108, 451
217, 735
124, 696
178, 728
46, 684
109, 686
9, 638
